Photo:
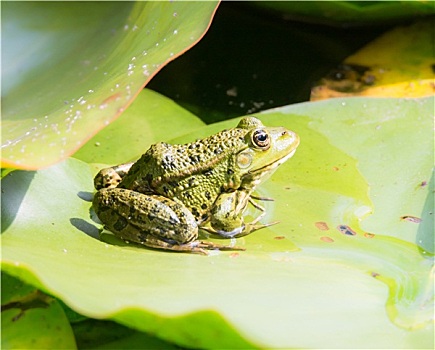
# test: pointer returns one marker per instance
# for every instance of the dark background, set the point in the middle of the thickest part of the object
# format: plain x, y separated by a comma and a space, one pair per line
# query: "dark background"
252, 60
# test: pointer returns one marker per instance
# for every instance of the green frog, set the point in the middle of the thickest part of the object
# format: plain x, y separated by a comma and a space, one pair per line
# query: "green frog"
162, 200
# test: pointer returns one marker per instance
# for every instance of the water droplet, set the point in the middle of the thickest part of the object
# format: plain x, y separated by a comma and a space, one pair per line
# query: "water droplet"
175, 32
175, 14
126, 27
91, 91
343, 103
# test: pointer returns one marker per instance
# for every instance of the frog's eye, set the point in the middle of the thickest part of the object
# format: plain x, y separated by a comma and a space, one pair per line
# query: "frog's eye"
261, 139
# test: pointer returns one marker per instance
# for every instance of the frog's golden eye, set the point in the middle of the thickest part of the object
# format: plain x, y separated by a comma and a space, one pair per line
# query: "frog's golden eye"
261, 139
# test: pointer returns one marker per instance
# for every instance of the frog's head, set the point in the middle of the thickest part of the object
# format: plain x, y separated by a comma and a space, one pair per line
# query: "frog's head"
268, 147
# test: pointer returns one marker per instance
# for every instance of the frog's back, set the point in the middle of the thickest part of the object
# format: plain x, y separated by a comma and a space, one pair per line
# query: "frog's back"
164, 162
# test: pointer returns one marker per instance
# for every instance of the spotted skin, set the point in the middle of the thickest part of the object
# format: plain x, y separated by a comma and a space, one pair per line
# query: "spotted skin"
162, 200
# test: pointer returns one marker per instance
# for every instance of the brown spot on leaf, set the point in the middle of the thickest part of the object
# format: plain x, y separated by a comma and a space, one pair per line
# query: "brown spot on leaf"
369, 235
321, 225
279, 237
326, 239
411, 218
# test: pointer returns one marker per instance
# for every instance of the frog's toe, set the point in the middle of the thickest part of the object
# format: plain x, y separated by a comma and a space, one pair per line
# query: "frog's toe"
216, 246
252, 226
196, 247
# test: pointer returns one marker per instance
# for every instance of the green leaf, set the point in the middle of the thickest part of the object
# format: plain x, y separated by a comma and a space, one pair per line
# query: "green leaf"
350, 13
31, 319
362, 167
375, 71
95, 334
154, 117
73, 67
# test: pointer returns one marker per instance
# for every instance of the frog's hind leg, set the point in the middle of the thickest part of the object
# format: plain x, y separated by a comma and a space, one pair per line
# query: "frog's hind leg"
151, 220
111, 177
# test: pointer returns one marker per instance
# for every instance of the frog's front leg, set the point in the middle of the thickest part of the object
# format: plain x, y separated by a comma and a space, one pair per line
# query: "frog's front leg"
111, 177
227, 215
151, 220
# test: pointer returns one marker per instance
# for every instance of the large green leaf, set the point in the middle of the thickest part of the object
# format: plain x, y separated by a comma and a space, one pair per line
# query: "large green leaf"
70, 68
154, 118
363, 167
350, 13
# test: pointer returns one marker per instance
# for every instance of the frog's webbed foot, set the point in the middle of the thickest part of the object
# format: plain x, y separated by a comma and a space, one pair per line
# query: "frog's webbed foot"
197, 247
245, 230
213, 246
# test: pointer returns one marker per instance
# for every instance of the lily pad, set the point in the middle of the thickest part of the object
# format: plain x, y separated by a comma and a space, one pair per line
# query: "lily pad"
154, 118
73, 67
375, 71
343, 269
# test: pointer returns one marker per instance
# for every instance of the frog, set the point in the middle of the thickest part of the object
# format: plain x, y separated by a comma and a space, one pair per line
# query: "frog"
163, 199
